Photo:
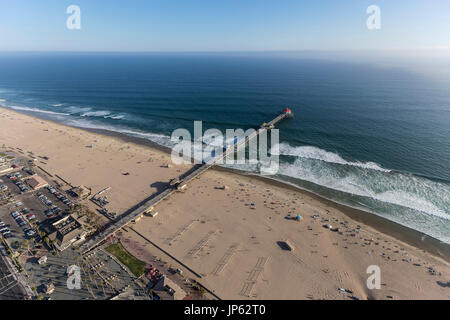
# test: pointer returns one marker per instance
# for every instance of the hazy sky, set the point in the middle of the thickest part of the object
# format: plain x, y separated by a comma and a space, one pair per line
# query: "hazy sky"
222, 25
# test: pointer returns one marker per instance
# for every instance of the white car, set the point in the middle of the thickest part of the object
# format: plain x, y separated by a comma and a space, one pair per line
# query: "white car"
30, 233
6, 233
15, 214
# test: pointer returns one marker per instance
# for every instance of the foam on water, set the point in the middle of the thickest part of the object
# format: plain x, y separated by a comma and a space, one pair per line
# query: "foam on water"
311, 152
99, 113
160, 139
27, 109
367, 180
115, 117
417, 202
75, 110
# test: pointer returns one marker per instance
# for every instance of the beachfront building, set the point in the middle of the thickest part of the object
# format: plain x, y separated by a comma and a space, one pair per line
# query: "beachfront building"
5, 168
5, 165
166, 289
129, 294
36, 182
80, 192
42, 260
48, 288
66, 232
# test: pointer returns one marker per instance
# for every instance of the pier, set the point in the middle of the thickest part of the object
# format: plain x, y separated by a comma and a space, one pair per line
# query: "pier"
174, 185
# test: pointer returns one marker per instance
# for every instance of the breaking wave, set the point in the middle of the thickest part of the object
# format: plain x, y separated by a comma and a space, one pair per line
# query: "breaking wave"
414, 201
38, 110
89, 112
96, 114
311, 152
369, 180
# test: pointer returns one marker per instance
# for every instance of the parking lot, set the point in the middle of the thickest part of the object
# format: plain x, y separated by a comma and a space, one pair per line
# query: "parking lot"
10, 289
26, 212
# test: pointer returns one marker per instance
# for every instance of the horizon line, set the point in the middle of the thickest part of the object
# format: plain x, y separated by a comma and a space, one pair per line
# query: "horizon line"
438, 49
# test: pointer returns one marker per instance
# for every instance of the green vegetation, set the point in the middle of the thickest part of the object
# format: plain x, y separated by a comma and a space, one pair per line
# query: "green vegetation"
136, 266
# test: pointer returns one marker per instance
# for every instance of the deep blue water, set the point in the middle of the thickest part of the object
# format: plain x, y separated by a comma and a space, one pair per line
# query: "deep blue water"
373, 137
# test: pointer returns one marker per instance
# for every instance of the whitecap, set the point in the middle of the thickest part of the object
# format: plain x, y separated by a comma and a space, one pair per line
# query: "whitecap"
99, 113
311, 152
115, 117
396, 188
38, 110
77, 110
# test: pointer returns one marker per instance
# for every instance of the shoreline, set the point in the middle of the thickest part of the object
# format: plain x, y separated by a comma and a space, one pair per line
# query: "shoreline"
405, 234
228, 226
383, 225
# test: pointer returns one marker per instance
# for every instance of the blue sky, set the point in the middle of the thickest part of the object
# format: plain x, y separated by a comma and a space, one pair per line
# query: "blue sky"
223, 25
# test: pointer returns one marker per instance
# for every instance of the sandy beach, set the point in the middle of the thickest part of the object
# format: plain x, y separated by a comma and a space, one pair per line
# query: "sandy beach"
230, 238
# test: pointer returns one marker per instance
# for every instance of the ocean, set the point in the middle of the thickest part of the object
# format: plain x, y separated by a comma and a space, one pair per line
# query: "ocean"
374, 136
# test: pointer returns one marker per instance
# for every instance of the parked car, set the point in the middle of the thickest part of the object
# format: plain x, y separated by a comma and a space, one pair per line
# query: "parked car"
49, 213
21, 222
31, 234
7, 234
15, 214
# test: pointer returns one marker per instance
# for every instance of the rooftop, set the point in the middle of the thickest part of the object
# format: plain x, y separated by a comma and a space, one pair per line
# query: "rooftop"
36, 182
